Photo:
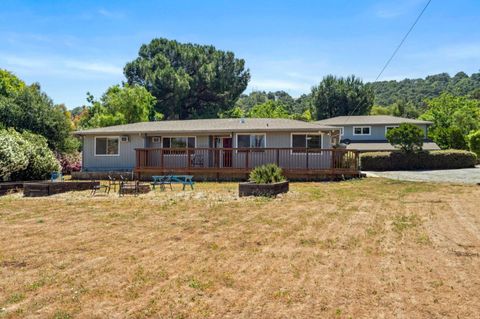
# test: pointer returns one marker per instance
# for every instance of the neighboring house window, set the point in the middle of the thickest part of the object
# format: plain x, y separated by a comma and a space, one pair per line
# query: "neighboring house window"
250, 140
311, 141
341, 131
388, 128
179, 142
361, 130
107, 146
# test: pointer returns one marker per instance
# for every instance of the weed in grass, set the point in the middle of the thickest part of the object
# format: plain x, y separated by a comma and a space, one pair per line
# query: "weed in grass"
403, 222
60, 314
15, 297
423, 239
197, 284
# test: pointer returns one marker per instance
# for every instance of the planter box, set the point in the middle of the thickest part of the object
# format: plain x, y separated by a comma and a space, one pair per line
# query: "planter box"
270, 190
51, 188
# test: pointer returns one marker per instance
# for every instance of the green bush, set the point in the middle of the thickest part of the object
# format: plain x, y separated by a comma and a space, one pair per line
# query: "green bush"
267, 174
407, 137
12, 154
25, 156
394, 161
474, 142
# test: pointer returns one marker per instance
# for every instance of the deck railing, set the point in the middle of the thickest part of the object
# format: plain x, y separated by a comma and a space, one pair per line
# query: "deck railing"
245, 159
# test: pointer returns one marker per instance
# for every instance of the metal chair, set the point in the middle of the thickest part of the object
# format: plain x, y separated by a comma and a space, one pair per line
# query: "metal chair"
98, 187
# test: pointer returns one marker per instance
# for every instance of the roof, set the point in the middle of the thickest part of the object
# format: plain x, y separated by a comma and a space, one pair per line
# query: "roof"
209, 125
385, 146
369, 120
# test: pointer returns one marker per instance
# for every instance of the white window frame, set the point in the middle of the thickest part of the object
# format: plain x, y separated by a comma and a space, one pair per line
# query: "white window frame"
342, 130
390, 126
107, 137
175, 136
303, 153
362, 127
264, 138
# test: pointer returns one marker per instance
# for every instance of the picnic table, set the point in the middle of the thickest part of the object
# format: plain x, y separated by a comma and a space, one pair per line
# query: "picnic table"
163, 180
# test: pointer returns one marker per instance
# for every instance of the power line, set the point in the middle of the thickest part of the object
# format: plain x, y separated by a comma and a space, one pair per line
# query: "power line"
403, 40
397, 48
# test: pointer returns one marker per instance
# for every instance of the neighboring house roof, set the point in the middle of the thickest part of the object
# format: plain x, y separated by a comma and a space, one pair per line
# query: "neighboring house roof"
209, 125
369, 120
384, 146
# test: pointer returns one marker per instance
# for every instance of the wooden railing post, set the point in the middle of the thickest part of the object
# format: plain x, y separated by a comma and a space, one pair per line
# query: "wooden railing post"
333, 165
306, 152
188, 158
162, 166
246, 158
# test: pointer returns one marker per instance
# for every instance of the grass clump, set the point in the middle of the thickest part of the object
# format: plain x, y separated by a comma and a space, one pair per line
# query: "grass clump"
266, 174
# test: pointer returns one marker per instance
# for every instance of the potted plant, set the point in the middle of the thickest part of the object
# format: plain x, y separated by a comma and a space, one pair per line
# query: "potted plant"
265, 180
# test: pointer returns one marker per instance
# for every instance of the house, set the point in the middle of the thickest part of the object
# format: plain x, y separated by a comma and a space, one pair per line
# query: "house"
368, 132
216, 146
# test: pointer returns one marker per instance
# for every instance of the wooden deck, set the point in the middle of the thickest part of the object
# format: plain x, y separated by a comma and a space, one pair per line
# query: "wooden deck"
295, 162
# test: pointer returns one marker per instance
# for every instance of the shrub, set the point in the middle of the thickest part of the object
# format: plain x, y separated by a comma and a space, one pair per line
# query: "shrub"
267, 174
391, 161
12, 154
70, 162
407, 137
25, 156
474, 142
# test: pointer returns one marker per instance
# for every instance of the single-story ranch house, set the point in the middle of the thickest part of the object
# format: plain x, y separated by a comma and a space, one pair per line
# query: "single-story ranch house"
217, 146
368, 132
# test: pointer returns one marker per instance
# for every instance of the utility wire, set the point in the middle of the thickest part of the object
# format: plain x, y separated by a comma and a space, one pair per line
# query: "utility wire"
397, 48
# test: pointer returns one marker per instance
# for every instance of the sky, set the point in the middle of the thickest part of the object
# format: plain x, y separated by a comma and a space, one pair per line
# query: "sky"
75, 47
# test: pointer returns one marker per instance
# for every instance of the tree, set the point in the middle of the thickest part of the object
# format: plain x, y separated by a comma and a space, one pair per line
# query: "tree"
407, 137
121, 105
10, 85
341, 96
188, 80
453, 117
269, 109
474, 142
31, 109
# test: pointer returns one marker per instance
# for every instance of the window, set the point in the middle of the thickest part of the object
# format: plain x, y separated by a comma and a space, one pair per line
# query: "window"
388, 128
106, 146
156, 139
251, 140
361, 130
311, 141
179, 142
341, 131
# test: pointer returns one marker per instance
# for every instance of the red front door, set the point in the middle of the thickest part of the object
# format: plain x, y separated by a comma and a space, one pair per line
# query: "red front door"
227, 154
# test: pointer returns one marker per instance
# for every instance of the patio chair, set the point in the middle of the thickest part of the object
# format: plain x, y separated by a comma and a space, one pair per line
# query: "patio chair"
98, 187
197, 160
113, 183
129, 188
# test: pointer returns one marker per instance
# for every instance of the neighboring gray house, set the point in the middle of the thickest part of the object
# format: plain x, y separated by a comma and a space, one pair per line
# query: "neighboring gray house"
214, 145
367, 132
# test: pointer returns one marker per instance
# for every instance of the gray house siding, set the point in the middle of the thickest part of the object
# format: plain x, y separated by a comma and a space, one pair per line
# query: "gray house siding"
377, 132
124, 161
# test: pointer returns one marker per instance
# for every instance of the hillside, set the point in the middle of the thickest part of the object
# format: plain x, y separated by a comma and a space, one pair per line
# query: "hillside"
416, 90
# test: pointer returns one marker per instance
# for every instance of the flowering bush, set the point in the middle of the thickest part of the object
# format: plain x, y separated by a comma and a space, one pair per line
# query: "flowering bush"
12, 154
25, 156
70, 162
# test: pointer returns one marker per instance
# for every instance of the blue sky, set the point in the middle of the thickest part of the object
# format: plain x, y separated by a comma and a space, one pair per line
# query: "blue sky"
71, 47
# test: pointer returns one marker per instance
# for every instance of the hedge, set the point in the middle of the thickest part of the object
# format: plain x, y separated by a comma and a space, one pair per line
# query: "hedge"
395, 161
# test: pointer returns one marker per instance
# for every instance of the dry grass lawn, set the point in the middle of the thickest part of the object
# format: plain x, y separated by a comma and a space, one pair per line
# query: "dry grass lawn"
369, 248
